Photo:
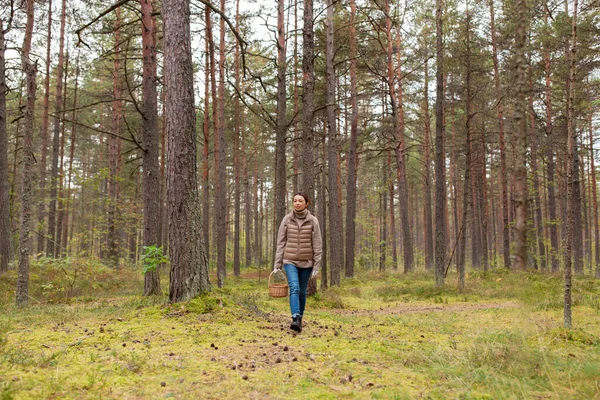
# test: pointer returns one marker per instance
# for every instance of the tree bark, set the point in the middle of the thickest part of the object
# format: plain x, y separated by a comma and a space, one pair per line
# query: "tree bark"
440, 154
66, 230
50, 246
427, 209
281, 127
322, 215
220, 177
189, 267
502, 144
6, 250
520, 140
60, 251
397, 108
537, 202
336, 256
571, 168
44, 140
352, 156
22, 292
209, 59
551, 183
236, 154
150, 166
307, 183
593, 189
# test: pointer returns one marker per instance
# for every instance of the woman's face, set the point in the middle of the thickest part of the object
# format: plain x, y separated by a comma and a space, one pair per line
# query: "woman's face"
299, 203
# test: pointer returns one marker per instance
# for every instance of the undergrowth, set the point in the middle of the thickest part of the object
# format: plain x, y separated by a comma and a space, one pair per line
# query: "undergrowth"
88, 333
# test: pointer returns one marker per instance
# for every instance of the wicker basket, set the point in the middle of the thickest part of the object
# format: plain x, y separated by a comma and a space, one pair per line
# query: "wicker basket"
277, 289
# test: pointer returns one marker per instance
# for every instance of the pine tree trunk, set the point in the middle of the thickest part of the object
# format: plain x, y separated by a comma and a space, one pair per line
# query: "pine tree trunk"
66, 229
220, 177
44, 141
440, 155
352, 156
397, 108
502, 144
281, 126
394, 239
206, 130
151, 168
571, 169
594, 190
215, 117
60, 251
383, 220
467, 193
22, 292
322, 215
50, 246
307, 183
537, 202
6, 250
551, 183
520, 140
236, 154
189, 266
428, 207
336, 256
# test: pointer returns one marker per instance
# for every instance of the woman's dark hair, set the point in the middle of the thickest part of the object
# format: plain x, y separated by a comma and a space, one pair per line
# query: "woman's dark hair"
303, 195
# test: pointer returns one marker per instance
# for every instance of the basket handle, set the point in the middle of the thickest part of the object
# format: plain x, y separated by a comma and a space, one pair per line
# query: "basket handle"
271, 274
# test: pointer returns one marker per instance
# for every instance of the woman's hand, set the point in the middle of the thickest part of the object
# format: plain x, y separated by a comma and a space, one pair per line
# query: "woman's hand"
314, 273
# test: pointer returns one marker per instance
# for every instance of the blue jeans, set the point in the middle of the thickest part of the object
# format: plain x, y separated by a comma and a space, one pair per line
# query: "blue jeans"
298, 281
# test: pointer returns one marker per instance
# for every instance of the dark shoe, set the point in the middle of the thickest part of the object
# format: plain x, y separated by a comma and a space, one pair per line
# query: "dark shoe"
296, 324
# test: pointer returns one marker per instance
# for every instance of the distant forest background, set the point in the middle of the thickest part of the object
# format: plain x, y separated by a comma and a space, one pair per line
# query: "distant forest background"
429, 135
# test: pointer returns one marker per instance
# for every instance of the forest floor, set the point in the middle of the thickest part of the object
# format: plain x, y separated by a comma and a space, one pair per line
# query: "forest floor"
91, 335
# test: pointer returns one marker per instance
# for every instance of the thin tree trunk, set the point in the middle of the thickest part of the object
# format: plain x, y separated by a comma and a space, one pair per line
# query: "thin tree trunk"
307, 183
551, 183
281, 127
113, 151
397, 108
189, 267
6, 250
22, 292
537, 202
440, 154
50, 246
571, 168
520, 140
468, 163
220, 177
502, 144
206, 130
236, 154
383, 221
150, 165
427, 214
60, 251
352, 156
594, 190
336, 256
44, 140
71, 157
215, 109
322, 215
392, 216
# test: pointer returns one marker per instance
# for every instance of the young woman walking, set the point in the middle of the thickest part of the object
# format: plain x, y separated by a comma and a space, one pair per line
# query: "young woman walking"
299, 249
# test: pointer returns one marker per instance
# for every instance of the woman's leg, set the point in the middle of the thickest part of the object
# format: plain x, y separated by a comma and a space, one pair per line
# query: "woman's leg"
292, 273
303, 278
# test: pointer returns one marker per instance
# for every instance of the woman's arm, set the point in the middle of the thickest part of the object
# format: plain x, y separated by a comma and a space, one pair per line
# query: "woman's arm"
281, 242
317, 245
